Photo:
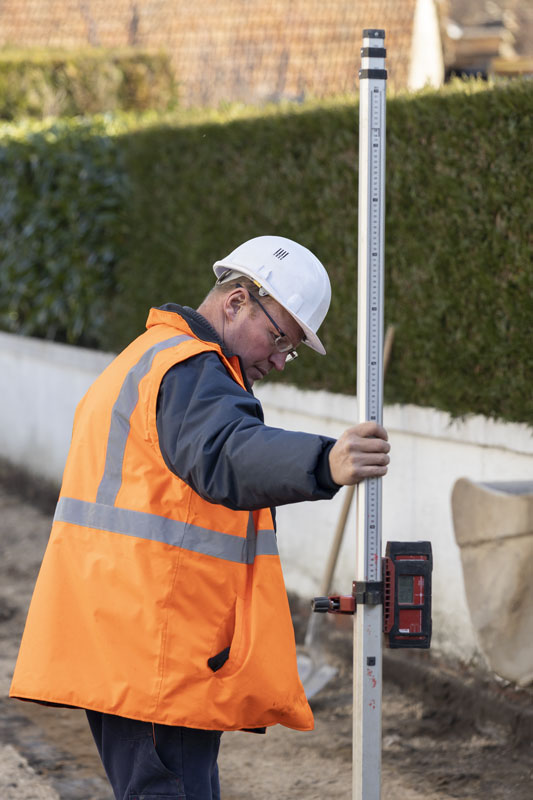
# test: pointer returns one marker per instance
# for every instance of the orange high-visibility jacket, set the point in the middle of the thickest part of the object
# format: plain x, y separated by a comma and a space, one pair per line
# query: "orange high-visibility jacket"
143, 581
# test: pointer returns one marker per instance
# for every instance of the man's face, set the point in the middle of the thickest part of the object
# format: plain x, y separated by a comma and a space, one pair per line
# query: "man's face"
252, 336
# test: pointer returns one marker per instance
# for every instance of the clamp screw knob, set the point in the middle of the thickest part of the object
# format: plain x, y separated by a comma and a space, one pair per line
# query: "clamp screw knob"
320, 604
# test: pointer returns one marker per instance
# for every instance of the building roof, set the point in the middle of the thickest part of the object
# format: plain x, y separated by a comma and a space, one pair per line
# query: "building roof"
244, 50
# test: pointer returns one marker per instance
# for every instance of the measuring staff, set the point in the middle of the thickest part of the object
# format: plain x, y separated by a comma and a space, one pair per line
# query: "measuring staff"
392, 596
370, 315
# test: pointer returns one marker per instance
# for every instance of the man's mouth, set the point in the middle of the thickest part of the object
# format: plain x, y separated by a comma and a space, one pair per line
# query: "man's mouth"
257, 373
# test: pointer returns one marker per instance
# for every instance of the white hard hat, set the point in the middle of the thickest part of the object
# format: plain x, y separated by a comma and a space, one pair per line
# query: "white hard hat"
287, 272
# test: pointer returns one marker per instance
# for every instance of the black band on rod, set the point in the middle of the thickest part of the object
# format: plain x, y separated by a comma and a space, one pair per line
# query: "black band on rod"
373, 52
375, 33
381, 74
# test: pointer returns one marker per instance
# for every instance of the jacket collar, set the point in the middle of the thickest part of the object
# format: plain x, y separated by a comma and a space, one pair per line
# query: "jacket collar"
204, 331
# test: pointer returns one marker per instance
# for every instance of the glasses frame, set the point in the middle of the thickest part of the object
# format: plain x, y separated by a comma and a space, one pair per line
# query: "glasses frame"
288, 350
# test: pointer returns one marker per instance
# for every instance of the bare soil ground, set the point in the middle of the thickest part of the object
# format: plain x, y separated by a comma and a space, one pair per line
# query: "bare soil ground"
447, 732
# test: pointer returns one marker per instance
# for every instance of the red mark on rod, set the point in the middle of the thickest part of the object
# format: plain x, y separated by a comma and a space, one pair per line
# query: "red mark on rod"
371, 676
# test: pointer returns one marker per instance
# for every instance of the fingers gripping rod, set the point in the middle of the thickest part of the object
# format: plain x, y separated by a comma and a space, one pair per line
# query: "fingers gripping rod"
371, 228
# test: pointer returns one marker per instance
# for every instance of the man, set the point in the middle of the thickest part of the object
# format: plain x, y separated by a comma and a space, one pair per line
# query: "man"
160, 607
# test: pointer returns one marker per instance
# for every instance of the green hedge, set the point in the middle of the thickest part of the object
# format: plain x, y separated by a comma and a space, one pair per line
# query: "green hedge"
41, 83
185, 190
63, 192
459, 251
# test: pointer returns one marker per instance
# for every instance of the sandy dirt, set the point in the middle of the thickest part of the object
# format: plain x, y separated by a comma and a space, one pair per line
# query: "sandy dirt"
446, 733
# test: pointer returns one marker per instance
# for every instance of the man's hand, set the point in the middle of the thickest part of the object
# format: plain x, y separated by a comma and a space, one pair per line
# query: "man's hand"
361, 452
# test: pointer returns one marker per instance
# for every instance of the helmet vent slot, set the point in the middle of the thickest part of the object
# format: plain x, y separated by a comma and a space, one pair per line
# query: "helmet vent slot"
281, 253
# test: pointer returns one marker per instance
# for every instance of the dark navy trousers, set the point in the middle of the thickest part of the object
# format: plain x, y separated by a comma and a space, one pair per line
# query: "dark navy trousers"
146, 761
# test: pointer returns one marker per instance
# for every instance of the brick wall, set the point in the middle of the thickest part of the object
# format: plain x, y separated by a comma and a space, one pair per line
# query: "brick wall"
237, 50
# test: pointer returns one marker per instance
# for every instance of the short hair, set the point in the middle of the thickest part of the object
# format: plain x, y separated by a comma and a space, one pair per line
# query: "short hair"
229, 286
245, 282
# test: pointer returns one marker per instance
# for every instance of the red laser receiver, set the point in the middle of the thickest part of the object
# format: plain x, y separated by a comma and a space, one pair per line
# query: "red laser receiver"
405, 593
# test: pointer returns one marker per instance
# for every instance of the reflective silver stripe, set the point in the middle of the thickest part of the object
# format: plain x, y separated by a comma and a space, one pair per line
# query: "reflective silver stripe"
120, 420
168, 531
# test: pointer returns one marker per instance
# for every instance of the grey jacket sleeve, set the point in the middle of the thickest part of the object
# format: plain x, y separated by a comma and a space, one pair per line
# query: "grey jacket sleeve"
212, 435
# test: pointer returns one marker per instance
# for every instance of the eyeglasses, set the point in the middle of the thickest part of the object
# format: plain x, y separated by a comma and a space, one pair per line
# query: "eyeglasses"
282, 343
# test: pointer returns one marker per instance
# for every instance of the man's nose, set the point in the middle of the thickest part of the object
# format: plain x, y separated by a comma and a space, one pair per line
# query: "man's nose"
278, 360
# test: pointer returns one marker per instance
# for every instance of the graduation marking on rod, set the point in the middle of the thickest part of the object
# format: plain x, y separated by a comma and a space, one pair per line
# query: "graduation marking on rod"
368, 622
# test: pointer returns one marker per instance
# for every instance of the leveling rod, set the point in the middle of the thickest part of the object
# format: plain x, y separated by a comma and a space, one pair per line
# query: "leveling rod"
391, 596
368, 622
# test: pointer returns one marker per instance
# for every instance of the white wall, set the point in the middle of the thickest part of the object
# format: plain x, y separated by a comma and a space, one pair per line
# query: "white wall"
427, 59
429, 452
42, 385
44, 381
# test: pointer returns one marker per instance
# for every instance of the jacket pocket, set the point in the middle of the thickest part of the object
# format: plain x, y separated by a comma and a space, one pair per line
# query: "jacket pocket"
218, 661
231, 657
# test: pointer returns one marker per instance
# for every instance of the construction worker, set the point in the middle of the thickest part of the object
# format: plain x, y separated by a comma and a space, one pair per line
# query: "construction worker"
160, 606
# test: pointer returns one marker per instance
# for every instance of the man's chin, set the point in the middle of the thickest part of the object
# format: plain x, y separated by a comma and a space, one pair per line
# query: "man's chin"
254, 374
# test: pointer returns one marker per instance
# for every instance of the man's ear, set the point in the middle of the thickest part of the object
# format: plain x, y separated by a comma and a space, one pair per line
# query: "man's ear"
234, 302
